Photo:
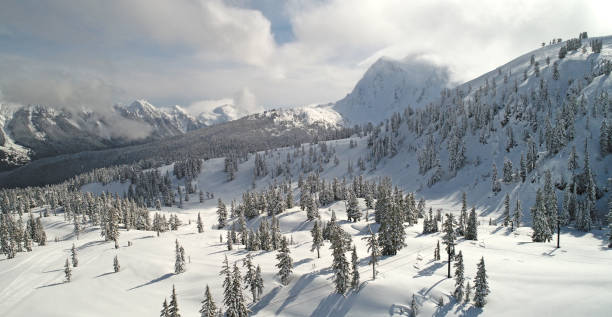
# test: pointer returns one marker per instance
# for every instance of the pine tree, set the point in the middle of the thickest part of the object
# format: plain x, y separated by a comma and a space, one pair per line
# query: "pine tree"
179, 264
352, 209
221, 213
238, 308
516, 218
317, 238
506, 210
392, 234
285, 263
228, 295
355, 268
312, 210
468, 292
116, 266
250, 277
259, 282
340, 265
481, 286
75, 260
471, 233
209, 309
437, 251
173, 309
459, 278
229, 241
200, 225
414, 308
67, 270
449, 238
372, 244
541, 229
463, 217
164, 311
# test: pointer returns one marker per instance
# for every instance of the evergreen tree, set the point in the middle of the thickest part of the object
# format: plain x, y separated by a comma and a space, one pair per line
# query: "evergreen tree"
392, 234
250, 277
173, 309
179, 264
468, 292
259, 282
67, 270
75, 260
481, 286
116, 266
340, 265
437, 251
285, 263
459, 277
463, 217
355, 267
449, 239
516, 218
372, 243
317, 238
541, 229
164, 311
209, 309
221, 213
352, 210
312, 210
238, 308
200, 225
414, 307
471, 233
506, 210
228, 296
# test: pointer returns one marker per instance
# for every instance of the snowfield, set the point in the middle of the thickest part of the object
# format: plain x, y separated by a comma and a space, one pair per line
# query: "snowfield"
530, 279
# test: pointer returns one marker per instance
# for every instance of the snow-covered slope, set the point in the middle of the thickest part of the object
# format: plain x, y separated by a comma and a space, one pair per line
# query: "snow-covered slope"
390, 86
520, 101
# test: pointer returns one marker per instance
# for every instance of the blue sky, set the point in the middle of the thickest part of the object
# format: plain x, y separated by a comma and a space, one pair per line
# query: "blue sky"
258, 53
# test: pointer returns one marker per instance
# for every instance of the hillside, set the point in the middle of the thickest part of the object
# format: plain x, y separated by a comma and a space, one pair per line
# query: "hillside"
529, 144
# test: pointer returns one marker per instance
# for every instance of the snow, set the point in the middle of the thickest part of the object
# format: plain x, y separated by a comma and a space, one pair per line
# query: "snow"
524, 277
390, 86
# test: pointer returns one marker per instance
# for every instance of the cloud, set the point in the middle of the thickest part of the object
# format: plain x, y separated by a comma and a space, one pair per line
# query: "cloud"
244, 102
183, 52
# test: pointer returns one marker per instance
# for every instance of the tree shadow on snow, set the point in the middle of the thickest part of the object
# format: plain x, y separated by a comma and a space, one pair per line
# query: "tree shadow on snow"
295, 290
50, 285
264, 301
105, 274
335, 305
302, 261
430, 270
153, 281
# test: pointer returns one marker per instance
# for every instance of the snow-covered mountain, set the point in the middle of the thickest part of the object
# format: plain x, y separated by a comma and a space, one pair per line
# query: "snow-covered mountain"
539, 124
32, 132
390, 86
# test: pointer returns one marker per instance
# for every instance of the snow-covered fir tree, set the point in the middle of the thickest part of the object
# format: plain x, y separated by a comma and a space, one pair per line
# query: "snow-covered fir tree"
481, 286
173, 309
373, 249
471, 232
449, 238
354, 269
116, 266
67, 271
208, 309
340, 265
317, 238
459, 277
179, 263
73, 255
221, 213
285, 263
200, 225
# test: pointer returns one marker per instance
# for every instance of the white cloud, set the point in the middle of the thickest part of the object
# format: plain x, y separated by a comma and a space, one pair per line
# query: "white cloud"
173, 52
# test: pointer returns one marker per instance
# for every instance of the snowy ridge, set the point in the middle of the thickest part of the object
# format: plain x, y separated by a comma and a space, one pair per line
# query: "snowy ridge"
390, 86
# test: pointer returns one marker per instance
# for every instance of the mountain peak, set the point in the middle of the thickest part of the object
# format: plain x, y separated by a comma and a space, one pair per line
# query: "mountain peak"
391, 85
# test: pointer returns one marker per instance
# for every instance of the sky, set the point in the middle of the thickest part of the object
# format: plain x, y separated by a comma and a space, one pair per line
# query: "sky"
258, 53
